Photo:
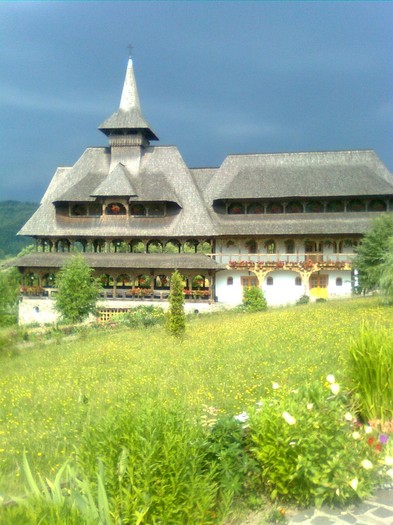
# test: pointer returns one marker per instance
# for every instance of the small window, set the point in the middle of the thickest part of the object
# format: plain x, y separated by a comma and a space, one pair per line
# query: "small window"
275, 207
229, 281
356, 205
79, 210
249, 281
290, 246
270, 246
314, 207
115, 208
269, 280
95, 209
156, 210
377, 205
294, 207
335, 206
256, 207
236, 208
298, 281
138, 210
339, 281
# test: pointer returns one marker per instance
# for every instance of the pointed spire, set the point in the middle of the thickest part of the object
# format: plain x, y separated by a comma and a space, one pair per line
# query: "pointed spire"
129, 117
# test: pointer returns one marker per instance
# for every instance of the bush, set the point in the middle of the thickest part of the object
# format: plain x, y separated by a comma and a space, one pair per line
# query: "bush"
371, 374
253, 299
309, 448
142, 316
304, 299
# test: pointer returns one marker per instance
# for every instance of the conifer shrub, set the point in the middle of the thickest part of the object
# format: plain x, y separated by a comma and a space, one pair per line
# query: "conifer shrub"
176, 317
253, 299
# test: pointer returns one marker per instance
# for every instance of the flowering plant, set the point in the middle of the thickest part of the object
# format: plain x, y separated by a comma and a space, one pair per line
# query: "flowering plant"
311, 449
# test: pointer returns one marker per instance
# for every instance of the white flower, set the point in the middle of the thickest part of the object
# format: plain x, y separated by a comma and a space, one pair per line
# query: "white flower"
354, 484
292, 443
242, 418
389, 461
390, 473
330, 379
355, 435
368, 429
288, 418
366, 464
310, 406
275, 386
335, 388
348, 416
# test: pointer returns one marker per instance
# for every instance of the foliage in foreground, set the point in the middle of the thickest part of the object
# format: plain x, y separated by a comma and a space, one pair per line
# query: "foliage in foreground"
154, 465
371, 374
310, 447
78, 291
176, 317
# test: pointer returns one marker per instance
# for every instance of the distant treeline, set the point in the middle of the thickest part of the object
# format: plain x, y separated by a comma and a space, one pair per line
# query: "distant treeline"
13, 215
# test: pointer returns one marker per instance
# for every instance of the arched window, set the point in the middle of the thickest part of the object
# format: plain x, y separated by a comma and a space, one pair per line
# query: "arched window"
339, 281
298, 281
190, 246
275, 207
229, 281
256, 207
294, 207
377, 205
115, 208
118, 246
63, 245
335, 206
99, 245
314, 207
269, 280
137, 246
236, 208
172, 246
80, 245
154, 247
356, 205
270, 246
251, 246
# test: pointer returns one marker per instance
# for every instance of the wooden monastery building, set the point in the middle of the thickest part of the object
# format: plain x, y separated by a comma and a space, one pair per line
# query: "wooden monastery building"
286, 222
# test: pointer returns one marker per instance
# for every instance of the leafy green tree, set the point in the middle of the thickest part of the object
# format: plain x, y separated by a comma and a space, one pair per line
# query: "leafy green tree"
253, 299
176, 317
386, 281
78, 291
371, 253
9, 295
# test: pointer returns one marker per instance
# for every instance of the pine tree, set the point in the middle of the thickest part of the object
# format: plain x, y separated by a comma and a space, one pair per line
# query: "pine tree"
176, 317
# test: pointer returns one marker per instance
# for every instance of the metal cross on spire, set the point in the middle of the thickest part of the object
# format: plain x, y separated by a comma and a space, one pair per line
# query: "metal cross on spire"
130, 48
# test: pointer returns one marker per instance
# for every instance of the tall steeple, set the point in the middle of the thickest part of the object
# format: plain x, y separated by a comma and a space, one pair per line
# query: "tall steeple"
128, 120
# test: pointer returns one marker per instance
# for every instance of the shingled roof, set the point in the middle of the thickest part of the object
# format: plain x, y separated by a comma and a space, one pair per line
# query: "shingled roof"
181, 261
288, 175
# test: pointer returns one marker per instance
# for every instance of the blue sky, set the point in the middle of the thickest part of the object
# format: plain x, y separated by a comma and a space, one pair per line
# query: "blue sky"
214, 78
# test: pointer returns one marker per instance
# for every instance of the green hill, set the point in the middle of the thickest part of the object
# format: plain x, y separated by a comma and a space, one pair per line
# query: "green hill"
13, 215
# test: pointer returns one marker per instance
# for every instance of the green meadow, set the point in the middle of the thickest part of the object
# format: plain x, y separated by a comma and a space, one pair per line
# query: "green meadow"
54, 388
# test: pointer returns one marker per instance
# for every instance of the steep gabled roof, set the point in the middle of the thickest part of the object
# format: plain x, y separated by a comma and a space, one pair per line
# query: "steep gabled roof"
116, 184
129, 115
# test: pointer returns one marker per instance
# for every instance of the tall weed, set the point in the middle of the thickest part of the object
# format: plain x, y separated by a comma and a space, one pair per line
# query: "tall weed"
371, 374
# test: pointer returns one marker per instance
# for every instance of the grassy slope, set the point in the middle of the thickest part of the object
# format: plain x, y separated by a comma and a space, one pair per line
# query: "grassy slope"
13, 215
49, 393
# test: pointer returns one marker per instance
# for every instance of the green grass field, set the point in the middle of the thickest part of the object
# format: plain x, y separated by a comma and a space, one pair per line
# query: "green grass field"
53, 389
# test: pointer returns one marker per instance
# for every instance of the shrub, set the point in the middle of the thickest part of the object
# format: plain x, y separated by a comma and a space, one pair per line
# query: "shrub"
253, 299
176, 317
308, 451
371, 374
304, 299
386, 281
142, 316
